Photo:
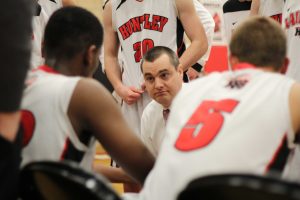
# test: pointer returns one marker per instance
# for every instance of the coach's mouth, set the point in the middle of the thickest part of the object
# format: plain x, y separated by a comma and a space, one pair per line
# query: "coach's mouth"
160, 93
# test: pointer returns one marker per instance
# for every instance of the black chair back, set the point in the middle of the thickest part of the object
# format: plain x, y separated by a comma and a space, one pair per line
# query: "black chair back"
240, 187
62, 180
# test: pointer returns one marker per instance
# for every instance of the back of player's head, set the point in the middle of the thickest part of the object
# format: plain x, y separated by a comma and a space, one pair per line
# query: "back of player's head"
157, 51
259, 41
69, 31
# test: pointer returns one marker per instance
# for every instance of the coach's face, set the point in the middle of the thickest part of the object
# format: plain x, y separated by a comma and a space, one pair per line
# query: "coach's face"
162, 80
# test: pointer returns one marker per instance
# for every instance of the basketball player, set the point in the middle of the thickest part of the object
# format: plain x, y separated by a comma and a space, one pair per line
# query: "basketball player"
15, 21
163, 80
209, 27
234, 12
270, 8
63, 112
216, 121
137, 26
52, 5
39, 22
291, 25
44, 9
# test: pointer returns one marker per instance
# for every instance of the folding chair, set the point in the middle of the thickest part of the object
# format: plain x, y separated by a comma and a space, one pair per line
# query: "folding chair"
240, 187
62, 180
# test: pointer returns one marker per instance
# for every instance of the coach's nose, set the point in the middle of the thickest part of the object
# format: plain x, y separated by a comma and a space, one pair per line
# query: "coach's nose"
158, 83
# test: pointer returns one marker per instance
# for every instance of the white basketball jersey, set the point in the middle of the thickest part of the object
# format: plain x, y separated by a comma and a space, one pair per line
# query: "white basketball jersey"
208, 25
141, 25
50, 6
233, 122
38, 26
271, 8
234, 13
291, 24
48, 132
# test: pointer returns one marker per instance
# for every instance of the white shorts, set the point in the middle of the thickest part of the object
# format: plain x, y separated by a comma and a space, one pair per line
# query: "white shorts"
133, 113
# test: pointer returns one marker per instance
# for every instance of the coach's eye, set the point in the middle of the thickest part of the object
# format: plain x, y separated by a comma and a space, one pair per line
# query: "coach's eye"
164, 75
149, 79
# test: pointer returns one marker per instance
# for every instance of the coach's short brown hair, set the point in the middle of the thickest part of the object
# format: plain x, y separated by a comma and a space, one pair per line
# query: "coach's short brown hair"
259, 41
156, 52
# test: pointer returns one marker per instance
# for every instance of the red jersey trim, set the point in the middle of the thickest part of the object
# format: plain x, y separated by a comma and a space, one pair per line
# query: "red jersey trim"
67, 143
276, 154
47, 69
243, 66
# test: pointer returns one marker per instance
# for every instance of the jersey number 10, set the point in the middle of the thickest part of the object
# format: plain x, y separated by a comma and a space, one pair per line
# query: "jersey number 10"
141, 48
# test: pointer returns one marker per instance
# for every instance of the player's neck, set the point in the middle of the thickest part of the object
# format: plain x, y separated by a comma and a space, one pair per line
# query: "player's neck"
67, 68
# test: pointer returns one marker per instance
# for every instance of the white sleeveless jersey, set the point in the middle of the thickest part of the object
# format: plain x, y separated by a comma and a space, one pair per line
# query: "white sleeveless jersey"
50, 6
223, 123
271, 8
141, 26
208, 25
234, 13
38, 26
291, 24
48, 132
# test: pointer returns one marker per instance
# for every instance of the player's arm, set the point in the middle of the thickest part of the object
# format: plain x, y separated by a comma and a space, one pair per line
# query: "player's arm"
9, 125
111, 48
112, 68
295, 107
255, 4
113, 174
195, 32
68, 2
93, 108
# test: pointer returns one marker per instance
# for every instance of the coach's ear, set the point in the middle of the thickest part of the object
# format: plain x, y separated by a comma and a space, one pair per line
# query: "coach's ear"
180, 70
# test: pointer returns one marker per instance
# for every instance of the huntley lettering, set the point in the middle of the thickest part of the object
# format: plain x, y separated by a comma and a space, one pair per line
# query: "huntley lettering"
136, 24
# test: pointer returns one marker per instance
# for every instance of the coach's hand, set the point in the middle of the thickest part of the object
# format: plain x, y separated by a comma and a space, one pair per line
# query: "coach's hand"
129, 94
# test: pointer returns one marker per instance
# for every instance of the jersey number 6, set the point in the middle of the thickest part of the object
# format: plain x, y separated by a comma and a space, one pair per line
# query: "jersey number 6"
204, 124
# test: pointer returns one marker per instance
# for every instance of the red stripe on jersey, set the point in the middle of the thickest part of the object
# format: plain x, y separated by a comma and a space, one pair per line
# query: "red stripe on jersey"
66, 146
276, 155
27, 126
47, 69
243, 66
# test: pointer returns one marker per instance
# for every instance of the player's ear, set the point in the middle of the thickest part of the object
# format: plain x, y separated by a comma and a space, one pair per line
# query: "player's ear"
233, 60
89, 55
285, 65
286, 62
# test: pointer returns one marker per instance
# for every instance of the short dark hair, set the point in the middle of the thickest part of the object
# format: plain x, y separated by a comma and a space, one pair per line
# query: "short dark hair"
69, 31
259, 41
157, 51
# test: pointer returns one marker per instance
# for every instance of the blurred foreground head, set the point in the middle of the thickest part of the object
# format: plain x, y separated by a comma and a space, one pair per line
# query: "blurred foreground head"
15, 38
259, 41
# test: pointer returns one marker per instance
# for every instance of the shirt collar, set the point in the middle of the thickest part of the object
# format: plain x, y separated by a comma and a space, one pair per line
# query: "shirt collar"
243, 65
47, 69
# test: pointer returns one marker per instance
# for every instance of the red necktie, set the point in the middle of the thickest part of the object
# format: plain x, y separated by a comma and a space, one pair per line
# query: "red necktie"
166, 114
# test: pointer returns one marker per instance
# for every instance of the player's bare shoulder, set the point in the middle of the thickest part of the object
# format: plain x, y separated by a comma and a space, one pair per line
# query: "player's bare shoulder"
294, 100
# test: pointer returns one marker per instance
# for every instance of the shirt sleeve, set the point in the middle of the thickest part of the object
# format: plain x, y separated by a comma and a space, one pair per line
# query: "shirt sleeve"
145, 134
